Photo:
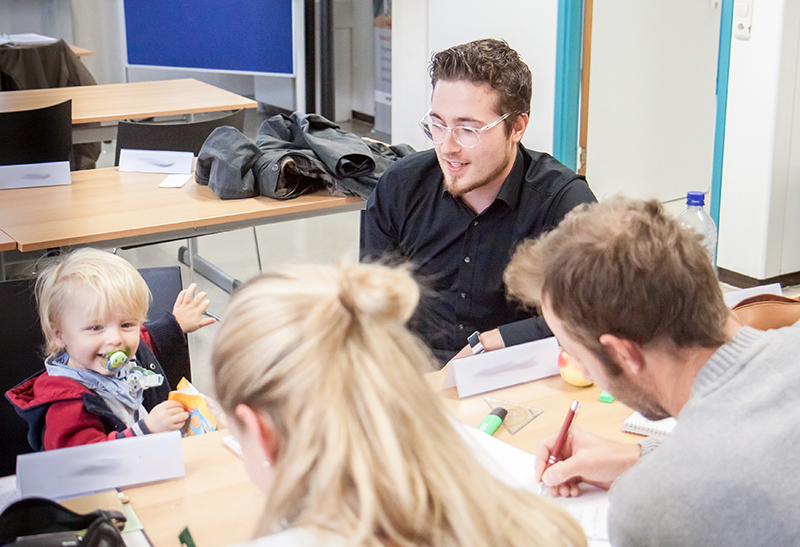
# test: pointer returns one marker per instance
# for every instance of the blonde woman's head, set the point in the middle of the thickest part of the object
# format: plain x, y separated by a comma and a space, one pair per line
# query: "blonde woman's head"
317, 360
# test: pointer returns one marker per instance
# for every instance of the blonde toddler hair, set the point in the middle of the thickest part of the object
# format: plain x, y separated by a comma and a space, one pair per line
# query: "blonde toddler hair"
114, 281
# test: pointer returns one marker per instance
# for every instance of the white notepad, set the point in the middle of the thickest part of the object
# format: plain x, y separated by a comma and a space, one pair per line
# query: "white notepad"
636, 423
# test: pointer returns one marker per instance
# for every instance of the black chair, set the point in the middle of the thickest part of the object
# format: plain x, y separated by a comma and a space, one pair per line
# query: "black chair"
37, 136
182, 136
22, 348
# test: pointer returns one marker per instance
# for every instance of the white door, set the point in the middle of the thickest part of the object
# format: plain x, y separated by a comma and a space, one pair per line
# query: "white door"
652, 98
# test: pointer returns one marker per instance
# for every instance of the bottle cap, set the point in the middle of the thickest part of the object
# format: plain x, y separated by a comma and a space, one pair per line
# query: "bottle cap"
696, 198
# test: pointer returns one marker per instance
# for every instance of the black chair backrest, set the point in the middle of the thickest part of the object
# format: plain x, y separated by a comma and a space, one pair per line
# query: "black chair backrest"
182, 136
21, 356
165, 284
36, 136
22, 349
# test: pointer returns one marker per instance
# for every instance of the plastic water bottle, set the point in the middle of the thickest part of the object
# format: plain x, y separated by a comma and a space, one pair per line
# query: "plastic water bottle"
696, 218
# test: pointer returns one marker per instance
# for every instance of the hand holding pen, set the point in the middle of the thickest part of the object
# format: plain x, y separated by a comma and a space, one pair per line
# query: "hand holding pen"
583, 457
555, 453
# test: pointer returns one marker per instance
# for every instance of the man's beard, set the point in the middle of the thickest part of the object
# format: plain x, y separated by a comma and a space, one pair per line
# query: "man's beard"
623, 389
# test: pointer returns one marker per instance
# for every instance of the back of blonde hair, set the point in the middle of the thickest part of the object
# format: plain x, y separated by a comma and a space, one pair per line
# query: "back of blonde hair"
114, 281
366, 448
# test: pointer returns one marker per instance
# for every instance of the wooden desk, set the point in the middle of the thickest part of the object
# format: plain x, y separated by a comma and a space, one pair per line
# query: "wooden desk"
7, 243
552, 395
221, 506
80, 51
115, 209
215, 498
115, 102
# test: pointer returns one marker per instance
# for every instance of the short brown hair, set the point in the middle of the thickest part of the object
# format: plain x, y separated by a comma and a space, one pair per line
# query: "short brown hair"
623, 267
492, 62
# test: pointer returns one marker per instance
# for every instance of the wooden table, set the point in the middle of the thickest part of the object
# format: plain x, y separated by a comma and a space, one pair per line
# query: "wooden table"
115, 209
7, 243
221, 506
215, 499
115, 102
551, 395
80, 51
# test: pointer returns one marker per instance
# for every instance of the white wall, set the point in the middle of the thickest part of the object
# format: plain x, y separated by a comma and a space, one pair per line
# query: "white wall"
421, 27
760, 199
48, 17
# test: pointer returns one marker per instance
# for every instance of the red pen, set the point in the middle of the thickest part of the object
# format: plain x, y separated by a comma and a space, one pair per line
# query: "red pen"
561, 439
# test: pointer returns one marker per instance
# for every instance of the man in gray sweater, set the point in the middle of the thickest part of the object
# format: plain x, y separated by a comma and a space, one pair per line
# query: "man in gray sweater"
634, 297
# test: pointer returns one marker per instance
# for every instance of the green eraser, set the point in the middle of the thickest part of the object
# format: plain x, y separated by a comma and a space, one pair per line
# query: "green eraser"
606, 397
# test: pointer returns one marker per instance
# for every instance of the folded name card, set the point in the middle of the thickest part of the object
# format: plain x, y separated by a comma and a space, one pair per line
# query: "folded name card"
89, 468
28, 175
155, 161
504, 367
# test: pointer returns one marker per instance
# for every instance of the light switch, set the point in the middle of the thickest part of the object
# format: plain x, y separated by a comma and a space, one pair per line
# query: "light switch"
742, 19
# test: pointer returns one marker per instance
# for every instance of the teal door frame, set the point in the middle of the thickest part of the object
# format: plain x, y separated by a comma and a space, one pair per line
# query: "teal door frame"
723, 69
569, 38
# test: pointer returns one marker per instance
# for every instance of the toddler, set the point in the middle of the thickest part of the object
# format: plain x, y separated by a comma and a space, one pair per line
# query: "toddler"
100, 382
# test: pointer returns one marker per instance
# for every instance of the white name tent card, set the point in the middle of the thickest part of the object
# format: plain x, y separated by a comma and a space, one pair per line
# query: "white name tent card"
502, 368
156, 161
28, 175
80, 470
734, 297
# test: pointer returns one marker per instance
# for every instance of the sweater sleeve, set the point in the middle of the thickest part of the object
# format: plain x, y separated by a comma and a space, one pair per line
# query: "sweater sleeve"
69, 424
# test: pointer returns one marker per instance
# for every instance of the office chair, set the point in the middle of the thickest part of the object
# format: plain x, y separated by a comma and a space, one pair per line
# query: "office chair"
37, 136
49, 66
182, 136
22, 348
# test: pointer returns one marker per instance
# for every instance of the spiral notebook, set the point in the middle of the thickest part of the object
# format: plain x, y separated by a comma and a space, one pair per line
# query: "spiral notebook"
636, 423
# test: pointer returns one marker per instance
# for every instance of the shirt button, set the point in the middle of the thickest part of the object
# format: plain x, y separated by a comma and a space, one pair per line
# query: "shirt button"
466, 259
474, 222
461, 327
463, 296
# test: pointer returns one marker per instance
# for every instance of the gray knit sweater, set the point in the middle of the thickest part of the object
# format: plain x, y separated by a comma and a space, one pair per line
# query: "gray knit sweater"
729, 474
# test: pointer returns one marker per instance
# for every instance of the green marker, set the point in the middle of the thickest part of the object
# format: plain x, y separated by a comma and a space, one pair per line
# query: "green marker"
606, 397
491, 422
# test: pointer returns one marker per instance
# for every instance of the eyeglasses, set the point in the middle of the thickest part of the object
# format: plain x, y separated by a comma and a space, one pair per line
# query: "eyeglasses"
468, 137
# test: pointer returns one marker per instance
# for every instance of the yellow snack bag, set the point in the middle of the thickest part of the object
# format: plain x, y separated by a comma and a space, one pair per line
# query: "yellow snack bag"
201, 419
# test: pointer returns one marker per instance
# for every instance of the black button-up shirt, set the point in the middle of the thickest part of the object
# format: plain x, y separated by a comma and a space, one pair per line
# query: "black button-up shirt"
459, 256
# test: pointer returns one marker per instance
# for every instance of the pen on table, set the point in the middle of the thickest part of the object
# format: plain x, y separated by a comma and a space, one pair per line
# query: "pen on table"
491, 422
560, 440
212, 316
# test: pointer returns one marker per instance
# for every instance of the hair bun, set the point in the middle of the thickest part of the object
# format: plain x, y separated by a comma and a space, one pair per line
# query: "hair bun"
373, 292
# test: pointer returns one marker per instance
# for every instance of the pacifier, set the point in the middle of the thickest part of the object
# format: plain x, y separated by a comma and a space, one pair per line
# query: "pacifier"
116, 359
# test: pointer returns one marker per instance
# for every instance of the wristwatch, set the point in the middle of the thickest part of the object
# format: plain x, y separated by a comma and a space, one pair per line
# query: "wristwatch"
474, 341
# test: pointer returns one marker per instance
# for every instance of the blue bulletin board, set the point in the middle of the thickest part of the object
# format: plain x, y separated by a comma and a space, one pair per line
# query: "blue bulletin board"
250, 36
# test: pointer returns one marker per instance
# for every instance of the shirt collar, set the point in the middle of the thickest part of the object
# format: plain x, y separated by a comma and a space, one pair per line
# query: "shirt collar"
510, 190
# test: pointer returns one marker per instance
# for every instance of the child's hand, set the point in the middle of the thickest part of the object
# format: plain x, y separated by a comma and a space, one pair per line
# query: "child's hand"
188, 309
166, 416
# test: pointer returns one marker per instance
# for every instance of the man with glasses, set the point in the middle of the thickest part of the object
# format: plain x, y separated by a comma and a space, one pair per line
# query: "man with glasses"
457, 212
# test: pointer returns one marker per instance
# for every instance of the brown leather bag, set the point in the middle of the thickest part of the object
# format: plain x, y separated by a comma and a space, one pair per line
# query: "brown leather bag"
767, 311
